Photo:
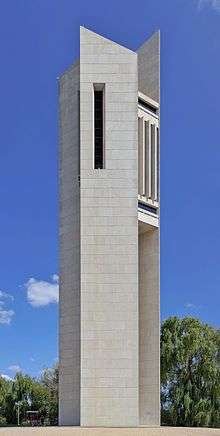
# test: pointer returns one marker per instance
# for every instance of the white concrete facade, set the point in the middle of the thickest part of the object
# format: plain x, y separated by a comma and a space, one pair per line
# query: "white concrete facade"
109, 292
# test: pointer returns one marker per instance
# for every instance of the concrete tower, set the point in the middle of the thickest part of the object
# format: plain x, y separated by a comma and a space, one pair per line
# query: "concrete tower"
109, 235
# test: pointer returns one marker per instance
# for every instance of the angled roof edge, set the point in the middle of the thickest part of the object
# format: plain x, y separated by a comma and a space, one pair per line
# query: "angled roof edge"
106, 40
68, 69
154, 35
149, 67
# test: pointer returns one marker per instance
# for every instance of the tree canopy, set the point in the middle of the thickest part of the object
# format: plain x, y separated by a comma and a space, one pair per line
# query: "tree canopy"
190, 373
190, 380
31, 394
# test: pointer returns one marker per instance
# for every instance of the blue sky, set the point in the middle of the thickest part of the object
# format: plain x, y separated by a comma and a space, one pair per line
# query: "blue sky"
38, 40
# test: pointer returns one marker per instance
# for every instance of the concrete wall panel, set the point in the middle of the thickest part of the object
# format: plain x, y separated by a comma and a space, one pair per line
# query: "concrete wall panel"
109, 320
149, 329
149, 67
69, 320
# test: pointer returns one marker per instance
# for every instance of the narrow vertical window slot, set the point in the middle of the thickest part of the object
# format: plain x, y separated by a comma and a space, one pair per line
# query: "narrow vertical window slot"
158, 163
148, 159
140, 156
144, 159
153, 162
98, 126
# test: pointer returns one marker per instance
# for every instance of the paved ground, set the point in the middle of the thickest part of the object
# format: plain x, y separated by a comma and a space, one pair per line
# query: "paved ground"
77, 431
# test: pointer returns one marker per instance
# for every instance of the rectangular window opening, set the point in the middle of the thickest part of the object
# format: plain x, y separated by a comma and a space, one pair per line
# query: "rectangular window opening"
158, 162
147, 106
147, 207
153, 150
98, 126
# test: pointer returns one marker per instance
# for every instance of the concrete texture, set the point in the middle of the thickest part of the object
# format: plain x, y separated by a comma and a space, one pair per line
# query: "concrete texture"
149, 328
109, 312
149, 245
69, 234
80, 431
109, 243
149, 67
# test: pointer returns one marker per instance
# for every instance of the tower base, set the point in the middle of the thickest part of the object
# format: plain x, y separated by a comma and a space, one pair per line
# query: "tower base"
107, 431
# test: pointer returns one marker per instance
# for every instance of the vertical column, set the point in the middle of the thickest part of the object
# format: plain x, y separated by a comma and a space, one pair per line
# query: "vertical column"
149, 329
154, 161
144, 161
158, 163
109, 238
148, 159
149, 254
69, 236
140, 155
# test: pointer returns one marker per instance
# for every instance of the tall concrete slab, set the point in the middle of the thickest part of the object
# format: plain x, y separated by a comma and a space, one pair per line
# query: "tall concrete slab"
69, 316
149, 328
149, 262
149, 67
109, 238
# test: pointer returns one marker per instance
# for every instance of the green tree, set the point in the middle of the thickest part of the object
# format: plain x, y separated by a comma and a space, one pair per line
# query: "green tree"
50, 381
31, 394
4, 387
20, 391
190, 373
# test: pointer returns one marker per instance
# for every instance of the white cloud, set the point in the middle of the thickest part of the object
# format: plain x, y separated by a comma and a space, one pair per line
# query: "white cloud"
5, 315
215, 4
192, 306
55, 278
41, 293
6, 377
14, 368
4, 295
32, 359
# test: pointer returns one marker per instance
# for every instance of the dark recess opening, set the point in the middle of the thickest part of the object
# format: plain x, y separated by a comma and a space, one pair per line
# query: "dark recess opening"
98, 129
147, 106
147, 207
